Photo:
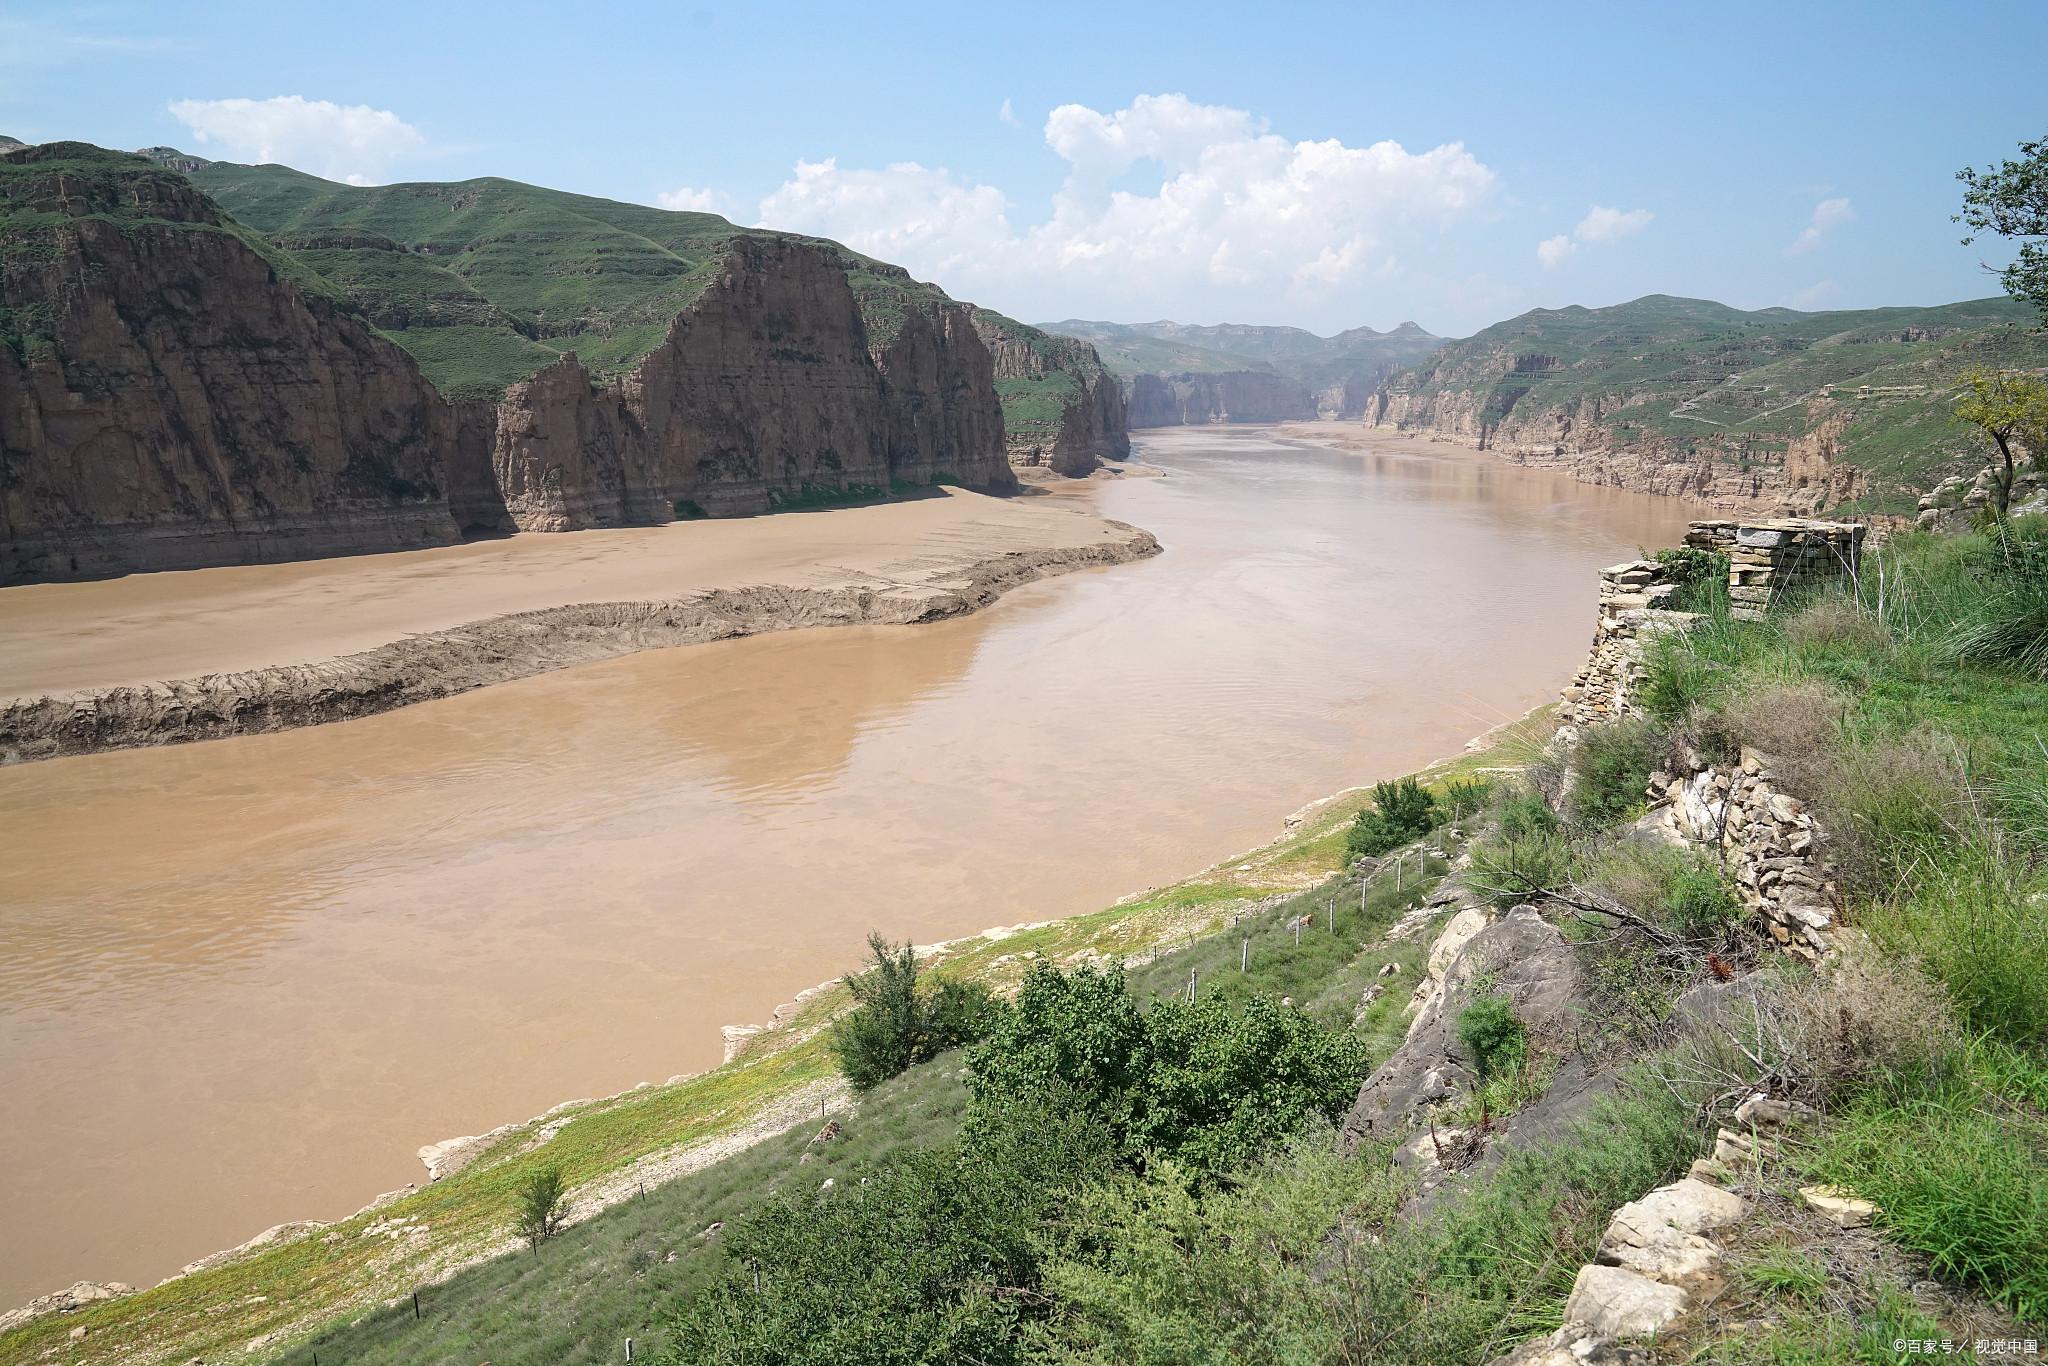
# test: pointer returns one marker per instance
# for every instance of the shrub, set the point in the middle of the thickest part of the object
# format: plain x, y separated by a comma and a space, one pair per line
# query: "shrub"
900, 1022
1611, 768
1465, 797
1401, 811
1798, 725
1493, 1037
1836, 623
1524, 813
1509, 871
1894, 806
904, 1267
1198, 1082
542, 1204
1679, 889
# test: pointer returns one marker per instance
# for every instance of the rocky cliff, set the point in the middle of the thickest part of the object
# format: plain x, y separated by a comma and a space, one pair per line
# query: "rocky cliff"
176, 391
172, 393
1772, 410
1229, 396
764, 394
1062, 409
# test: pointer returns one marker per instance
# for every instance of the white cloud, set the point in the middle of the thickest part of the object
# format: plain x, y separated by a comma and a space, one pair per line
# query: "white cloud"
1223, 208
1829, 213
693, 200
1008, 115
341, 142
905, 213
1601, 225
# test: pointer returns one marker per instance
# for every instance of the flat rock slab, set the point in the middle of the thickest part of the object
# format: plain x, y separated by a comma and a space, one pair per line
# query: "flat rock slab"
1612, 1301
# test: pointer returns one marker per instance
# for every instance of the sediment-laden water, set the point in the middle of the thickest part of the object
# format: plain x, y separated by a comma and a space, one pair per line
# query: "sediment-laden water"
241, 981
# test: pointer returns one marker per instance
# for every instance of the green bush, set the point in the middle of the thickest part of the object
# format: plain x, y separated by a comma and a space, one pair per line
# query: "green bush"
1681, 890
540, 1205
1611, 767
1493, 1037
900, 1021
1524, 813
1466, 796
921, 1261
1401, 811
1508, 872
1198, 1082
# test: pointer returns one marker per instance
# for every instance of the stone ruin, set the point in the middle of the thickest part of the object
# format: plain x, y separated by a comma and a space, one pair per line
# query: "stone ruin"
1765, 559
1765, 836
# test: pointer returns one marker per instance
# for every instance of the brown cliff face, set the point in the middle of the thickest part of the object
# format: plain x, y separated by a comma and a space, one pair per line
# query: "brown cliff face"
168, 398
1061, 408
1219, 396
174, 392
763, 394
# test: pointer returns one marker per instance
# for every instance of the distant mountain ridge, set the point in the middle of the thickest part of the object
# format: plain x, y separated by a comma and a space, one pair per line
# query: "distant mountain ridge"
1844, 410
1164, 364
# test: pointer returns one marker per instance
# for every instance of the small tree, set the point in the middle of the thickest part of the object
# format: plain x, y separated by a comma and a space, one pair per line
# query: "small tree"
543, 1202
2012, 202
2009, 407
900, 1022
1401, 811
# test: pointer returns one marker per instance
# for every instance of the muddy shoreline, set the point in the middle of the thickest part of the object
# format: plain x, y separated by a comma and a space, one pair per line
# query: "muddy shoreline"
421, 668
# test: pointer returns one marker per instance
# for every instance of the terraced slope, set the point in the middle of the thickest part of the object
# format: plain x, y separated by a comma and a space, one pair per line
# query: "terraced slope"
1808, 411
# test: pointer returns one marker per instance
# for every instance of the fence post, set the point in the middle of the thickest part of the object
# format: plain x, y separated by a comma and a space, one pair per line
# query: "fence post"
415, 1305
1297, 930
1244, 956
629, 1349
1333, 913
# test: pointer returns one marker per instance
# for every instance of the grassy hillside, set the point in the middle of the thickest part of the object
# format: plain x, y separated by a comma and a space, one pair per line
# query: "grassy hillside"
1169, 348
485, 281
1699, 377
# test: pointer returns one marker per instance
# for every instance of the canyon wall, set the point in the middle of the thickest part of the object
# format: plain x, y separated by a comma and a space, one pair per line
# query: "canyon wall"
1224, 396
168, 397
177, 392
1804, 475
1061, 408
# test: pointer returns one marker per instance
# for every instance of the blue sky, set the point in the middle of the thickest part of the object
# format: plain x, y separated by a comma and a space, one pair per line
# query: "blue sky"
1322, 166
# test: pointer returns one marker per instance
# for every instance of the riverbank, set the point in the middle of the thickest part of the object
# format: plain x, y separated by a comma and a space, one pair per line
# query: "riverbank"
288, 1281
265, 648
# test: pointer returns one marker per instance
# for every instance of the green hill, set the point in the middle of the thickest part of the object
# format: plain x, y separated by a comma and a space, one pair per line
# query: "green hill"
1695, 380
485, 281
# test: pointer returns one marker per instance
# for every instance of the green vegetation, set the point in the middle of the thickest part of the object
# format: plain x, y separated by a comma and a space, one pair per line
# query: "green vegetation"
1360, 356
2009, 407
899, 1022
541, 1197
1716, 386
1906, 705
1493, 1036
1401, 811
2012, 202
1611, 768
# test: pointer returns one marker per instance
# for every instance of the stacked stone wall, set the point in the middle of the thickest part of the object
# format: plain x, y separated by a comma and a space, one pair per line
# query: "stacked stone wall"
1764, 835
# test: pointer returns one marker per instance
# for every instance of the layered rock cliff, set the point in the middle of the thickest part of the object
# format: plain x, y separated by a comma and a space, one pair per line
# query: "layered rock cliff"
1229, 396
1771, 410
177, 391
171, 394
1062, 409
764, 393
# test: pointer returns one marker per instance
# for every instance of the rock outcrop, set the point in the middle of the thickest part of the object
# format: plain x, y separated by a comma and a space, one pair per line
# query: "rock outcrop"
1061, 408
176, 392
171, 394
763, 394
1227, 396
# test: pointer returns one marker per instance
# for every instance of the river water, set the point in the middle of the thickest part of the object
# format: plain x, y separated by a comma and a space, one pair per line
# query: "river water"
240, 982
